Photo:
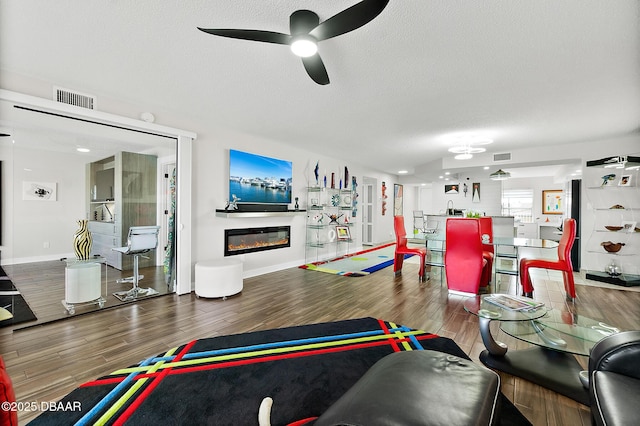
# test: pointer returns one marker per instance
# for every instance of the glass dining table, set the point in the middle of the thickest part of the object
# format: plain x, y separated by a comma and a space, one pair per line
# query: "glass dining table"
506, 249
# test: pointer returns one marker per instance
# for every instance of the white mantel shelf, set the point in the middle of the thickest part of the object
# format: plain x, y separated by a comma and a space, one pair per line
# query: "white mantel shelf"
236, 214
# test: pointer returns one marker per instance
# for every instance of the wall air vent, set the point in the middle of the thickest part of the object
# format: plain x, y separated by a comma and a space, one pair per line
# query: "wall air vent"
502, 157
71, 97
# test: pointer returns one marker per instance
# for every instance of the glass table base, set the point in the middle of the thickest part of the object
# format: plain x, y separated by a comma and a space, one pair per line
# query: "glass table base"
553, 370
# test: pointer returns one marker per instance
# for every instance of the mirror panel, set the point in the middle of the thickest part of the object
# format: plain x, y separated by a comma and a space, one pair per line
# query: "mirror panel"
47, 186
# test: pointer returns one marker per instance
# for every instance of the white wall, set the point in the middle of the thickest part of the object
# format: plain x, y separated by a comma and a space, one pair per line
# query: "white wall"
210, 170
490, 195
40, 230
538, 185
433, 200
210, 189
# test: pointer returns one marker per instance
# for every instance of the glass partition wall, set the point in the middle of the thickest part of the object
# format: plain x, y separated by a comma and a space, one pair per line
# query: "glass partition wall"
58, 170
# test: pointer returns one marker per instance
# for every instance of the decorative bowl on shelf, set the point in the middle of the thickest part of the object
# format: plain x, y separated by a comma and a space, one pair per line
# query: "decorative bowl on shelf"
612, 247
617, 207
613, 228
637, 229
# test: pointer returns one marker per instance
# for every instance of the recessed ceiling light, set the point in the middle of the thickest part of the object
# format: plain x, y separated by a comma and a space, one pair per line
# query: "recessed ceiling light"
440, 177
486, 167
402, 172
80, 149
447, 173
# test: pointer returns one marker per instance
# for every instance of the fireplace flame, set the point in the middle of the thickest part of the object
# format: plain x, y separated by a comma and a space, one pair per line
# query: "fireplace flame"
257, 244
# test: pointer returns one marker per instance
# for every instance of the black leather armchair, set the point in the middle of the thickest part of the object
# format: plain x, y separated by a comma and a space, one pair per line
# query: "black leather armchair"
419, 388
614, 379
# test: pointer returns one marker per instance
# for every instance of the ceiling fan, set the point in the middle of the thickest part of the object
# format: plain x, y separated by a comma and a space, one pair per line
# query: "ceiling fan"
307, 30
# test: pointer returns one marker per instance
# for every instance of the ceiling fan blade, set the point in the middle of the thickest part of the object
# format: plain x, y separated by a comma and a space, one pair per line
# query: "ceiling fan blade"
253, 35
302, 21
349, 19
316, 70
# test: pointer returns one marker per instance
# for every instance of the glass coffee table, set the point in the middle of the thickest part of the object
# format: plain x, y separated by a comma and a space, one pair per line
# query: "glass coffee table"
557, 337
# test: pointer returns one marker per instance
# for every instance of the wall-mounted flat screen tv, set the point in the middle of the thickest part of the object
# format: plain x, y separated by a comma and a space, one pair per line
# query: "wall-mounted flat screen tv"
256, 179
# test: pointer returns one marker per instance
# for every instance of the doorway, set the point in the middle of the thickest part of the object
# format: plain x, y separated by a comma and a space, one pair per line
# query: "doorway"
368, 210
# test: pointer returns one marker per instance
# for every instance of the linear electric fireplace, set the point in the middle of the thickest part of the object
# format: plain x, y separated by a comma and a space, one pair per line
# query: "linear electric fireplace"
249, 240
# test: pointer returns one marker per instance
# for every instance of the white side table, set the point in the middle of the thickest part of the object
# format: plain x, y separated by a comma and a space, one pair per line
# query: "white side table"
82, 283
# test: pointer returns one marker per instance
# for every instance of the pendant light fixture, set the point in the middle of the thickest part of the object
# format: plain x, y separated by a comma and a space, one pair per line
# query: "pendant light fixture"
467, 145
500, 175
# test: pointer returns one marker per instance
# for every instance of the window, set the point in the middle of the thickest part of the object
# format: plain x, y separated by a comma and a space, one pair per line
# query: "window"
518, 203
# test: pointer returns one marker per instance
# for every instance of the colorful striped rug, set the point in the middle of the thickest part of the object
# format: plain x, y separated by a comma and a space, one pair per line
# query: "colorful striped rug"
223, 380
357, 264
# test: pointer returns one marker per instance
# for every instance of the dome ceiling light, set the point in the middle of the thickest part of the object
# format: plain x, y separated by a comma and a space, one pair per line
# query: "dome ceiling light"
500, 175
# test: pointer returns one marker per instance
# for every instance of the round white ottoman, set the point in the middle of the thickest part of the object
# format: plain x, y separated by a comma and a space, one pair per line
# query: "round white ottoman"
218, 278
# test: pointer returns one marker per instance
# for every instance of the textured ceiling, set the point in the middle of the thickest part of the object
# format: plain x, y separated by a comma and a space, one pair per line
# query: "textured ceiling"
523, 73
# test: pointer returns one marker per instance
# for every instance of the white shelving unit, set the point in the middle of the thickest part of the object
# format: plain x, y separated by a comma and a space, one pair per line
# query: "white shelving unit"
328, 209
614, 205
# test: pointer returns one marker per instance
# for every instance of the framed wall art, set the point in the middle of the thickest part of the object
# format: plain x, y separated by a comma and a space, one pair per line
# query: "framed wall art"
39, 191
397, 200
343, 232
553, 201
452, 189
475, 192
625, 180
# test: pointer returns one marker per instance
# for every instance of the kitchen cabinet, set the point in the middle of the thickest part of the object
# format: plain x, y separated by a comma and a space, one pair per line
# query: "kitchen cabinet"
122, 193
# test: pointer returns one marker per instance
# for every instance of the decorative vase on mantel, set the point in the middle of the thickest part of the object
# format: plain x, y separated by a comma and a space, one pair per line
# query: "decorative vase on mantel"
82, 240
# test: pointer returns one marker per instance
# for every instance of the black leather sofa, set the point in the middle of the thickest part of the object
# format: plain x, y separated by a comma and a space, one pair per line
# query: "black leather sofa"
614, 379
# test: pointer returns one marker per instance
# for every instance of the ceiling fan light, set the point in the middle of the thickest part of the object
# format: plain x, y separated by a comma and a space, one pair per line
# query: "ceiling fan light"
304, 46
500, 175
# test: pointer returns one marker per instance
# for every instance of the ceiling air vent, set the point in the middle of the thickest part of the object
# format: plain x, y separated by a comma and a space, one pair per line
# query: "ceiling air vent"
70, 97
502, 157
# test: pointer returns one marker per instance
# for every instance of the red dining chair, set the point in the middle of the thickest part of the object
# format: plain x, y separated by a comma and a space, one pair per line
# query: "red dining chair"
463, 261
486, 228
562, 264
402, 249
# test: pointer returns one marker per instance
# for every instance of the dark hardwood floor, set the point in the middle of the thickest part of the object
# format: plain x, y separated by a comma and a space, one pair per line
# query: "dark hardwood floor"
42, 286
47, 361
